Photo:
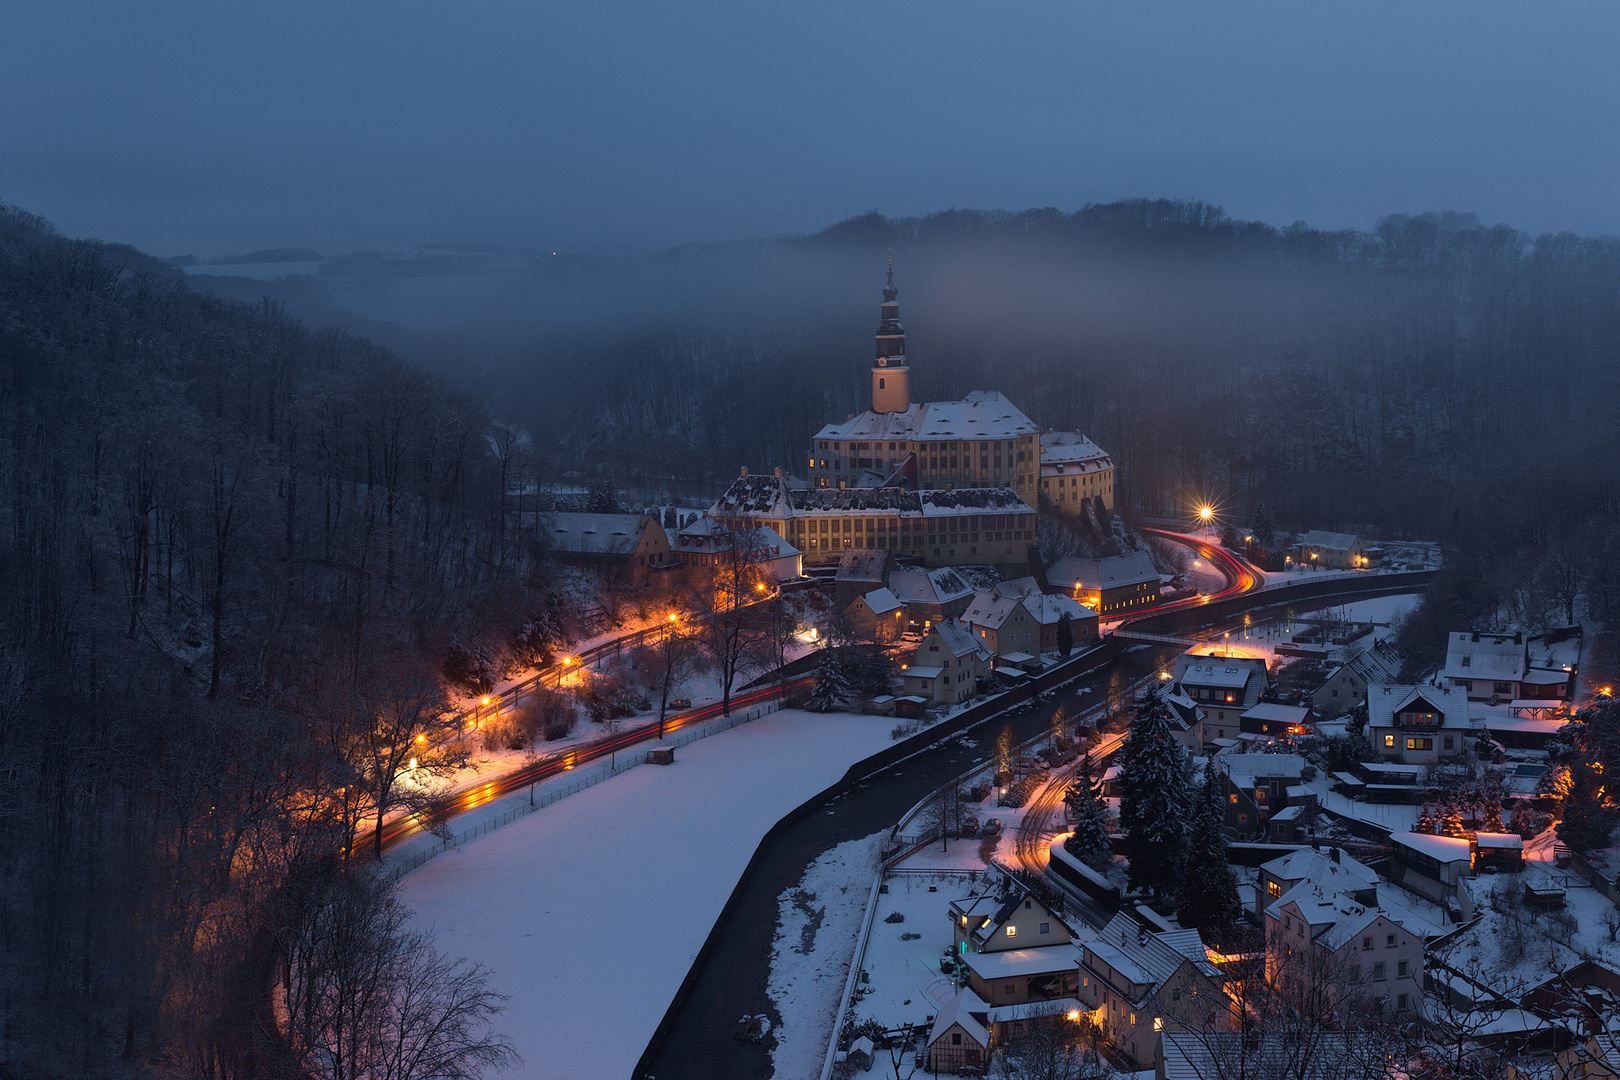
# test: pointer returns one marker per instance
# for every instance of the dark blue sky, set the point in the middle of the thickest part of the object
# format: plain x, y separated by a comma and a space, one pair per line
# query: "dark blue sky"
216, 127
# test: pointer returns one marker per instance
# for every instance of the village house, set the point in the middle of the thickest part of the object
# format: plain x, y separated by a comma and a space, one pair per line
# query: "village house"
629, 546
879, 617
1186, 723
1418, 725
1346, 686
1552, 661
1329, 942
948, 665
1024, 976
1109, 586
1224, 687
1048, 610
960, 1037
708, 545
1259, 787
1000, 913
1006, 626
1331, 868
1136, 983
1485, 666
1270, 718
930, 596
1435, 868
1332, 551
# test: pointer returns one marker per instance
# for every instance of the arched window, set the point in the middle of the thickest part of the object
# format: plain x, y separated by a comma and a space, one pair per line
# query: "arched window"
880, 384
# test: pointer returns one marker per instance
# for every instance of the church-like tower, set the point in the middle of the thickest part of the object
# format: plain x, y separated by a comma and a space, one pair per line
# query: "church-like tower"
891, 378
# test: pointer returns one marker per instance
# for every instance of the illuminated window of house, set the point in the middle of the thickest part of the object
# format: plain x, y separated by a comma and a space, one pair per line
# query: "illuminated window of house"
1274, 889
1389, 740
1012, 931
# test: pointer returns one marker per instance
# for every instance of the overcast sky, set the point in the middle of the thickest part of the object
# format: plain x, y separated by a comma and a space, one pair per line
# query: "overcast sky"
215, 127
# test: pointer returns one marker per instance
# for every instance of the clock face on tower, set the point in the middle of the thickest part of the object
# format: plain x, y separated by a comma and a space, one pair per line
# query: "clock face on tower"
883, 361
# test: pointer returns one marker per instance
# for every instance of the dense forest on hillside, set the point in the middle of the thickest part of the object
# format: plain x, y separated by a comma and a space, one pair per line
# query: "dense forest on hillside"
229, 546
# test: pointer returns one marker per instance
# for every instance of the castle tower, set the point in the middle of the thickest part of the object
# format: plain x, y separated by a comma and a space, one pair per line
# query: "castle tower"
891, 378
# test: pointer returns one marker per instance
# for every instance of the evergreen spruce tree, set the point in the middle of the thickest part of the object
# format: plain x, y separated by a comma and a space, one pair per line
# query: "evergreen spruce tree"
1265, 533
1090, 842
1586, 821
1425, 820
1154, 798
1492, 813
1208, 900
1451, 820
832, 691
1065, 635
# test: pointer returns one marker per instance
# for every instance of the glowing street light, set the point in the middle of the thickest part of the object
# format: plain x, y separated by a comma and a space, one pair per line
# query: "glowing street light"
1206, 514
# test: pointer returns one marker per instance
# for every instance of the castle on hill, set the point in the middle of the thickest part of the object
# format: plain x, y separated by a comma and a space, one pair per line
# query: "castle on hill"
948, 483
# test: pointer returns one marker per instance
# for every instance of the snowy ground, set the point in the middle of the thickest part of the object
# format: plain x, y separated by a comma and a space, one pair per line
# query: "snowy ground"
556, 904
818, 922
905, 984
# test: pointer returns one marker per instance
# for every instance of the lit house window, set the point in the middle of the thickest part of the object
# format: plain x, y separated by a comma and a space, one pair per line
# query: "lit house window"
1012, 931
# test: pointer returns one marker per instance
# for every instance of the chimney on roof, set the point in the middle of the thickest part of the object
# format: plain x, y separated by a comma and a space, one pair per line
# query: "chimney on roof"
778, 472
1476, 637
1141, 935
744, 471
1518, 637
1333, 853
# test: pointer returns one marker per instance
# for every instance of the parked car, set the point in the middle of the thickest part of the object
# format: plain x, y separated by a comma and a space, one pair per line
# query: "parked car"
969, 826
681, 703
991, 827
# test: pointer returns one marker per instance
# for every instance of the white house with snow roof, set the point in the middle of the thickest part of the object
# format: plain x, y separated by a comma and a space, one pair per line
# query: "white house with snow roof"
1330, 867
1006, 626
1073, 470
1485, 666
628, 545
1346, 685
1049, 609
930, 596
948, 664
1418, 725
1329, 942
1225, 687
1332, 550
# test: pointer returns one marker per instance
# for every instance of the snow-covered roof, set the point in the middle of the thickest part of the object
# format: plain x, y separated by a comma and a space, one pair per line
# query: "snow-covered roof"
708, 536
1442, 848
1001, 1014
1200, 1055
784, 497
1218, 672
1245, 769
1273, 713
960, 1010
882, 601
1502, 840
939, 586
1378, 664
1111, 572
957, 639
923, 672
1499, 657
1014, 963
863, 564
1346, 874
1329, 541
1069, 452
1556, 650
1334, 917
1024, 586
981, 414
1048, 608
991, 610
1385, 703
597, 534
1143, 957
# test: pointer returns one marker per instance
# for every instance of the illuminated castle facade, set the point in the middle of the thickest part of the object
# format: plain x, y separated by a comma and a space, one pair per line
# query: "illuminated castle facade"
948, 483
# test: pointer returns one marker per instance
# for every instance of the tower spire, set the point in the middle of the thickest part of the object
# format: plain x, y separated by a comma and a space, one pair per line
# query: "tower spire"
891, 389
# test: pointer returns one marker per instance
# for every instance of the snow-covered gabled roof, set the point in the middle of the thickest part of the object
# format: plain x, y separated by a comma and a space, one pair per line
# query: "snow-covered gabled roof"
929, 586
1048, 608
1143, 957
1329, 541
1112, 572
1203, 1055
991, 610
960, 1010
1016, 963
1384, 703
1347, 874
881, 601
597, 534
1378, 664
981, 414
957, 640
1498, 657
1334, 917
711, 537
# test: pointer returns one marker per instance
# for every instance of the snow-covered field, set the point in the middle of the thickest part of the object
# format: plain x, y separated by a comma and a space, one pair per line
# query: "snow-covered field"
818, 921
590, 911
